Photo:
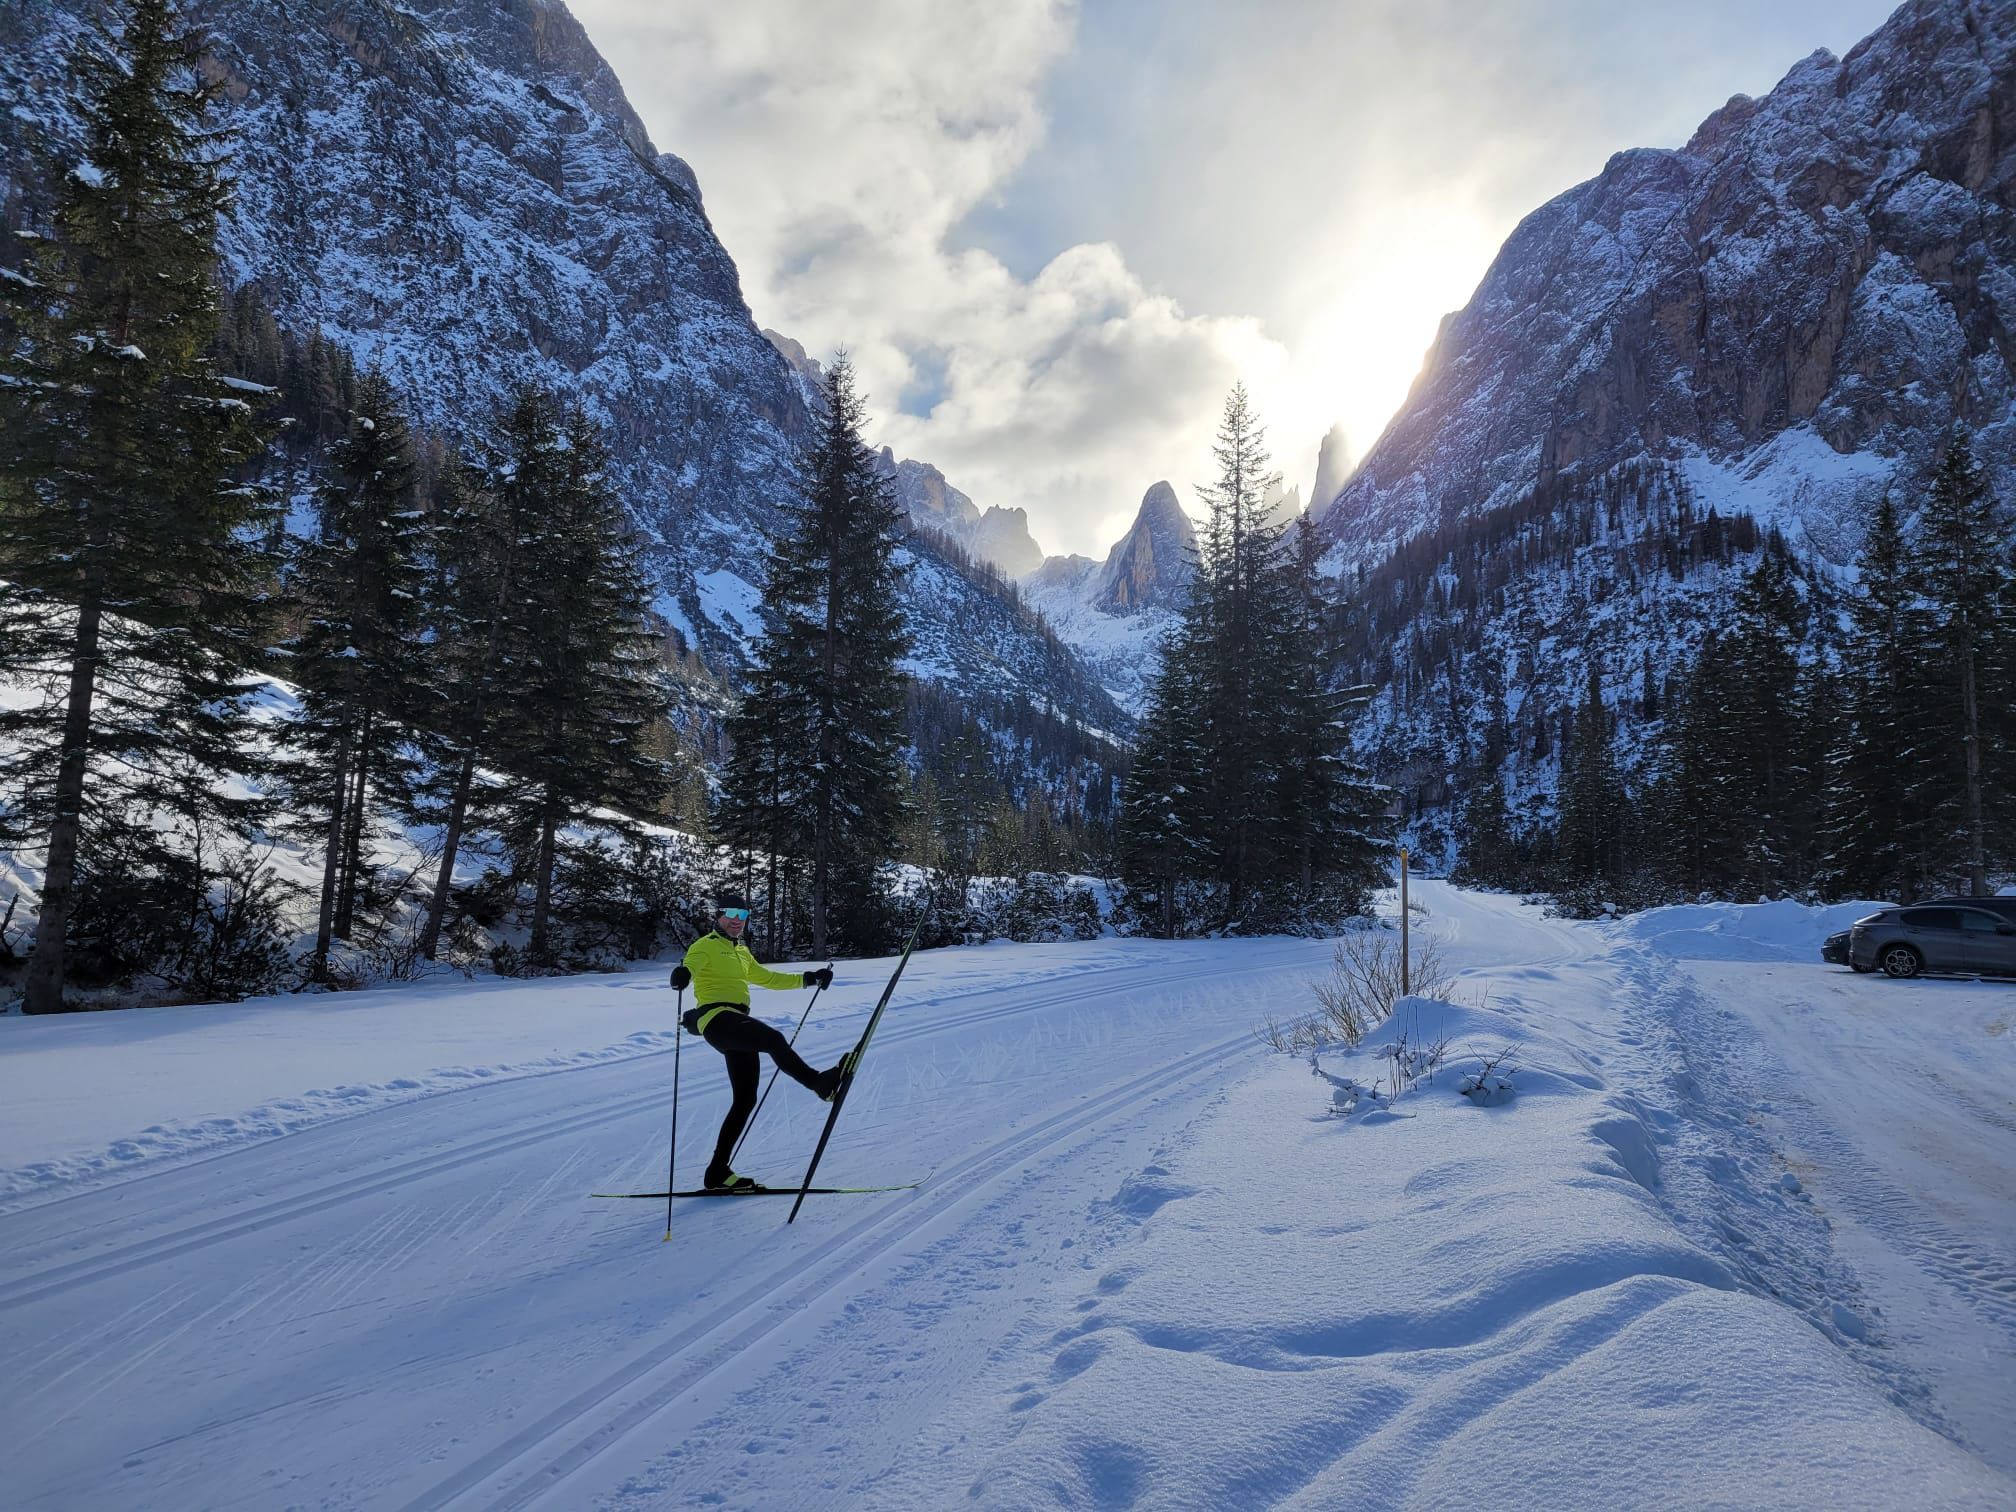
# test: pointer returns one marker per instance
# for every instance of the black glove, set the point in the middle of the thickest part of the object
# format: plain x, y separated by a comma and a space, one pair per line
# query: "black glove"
823, 977
681, 978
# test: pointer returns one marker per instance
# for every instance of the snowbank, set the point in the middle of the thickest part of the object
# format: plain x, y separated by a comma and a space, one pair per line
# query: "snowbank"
1781, 931
1325, 1297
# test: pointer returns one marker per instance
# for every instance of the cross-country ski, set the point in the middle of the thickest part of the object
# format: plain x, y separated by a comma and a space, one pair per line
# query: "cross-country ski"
850, 1064
763, 1191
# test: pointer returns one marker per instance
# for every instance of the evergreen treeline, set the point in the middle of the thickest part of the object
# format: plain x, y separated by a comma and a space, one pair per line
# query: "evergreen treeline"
1857, 743
1244, 809
466, 638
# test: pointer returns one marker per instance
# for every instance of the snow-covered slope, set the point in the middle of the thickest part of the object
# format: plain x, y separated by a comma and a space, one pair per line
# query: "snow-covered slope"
1792, 308
1115, 614
1479, 638
997, 535
1738, 1237
458, 192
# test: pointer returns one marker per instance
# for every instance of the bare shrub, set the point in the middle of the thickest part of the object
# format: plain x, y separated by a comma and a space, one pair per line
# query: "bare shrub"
1365, 982
1296, 1036
1491, 1082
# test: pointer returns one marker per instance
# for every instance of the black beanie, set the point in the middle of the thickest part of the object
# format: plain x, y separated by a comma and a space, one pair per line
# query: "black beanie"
729, 899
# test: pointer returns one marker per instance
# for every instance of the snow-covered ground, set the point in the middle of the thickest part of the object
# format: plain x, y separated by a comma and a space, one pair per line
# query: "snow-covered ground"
1742, 1235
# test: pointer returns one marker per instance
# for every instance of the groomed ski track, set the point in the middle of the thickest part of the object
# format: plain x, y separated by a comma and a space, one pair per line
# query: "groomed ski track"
198, 1302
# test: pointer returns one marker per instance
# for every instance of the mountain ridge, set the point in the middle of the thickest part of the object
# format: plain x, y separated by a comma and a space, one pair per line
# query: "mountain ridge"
459, 194
1786, 307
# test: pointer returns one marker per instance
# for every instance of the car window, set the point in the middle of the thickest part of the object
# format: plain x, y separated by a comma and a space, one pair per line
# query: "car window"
1974, 918
2005, 906
1932, 918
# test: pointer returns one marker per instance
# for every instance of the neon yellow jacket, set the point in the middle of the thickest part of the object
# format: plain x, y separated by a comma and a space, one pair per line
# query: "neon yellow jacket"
722, 971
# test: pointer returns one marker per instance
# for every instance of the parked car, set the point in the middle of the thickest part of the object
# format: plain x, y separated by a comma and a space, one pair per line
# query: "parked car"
1905, 942
1834, 950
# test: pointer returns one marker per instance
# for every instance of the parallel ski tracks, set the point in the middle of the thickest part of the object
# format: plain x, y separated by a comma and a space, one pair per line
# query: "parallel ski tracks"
55, 1280
680, 1365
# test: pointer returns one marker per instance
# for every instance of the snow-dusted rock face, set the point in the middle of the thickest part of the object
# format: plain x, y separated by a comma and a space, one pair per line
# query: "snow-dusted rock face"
1334, 462
928, 498
459, 193
1792, 308
1001, 536
1154, 562
1114, 614
998, 536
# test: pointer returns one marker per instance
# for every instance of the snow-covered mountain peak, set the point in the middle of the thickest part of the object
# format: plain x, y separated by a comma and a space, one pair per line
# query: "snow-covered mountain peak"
1790, 309
1153, 563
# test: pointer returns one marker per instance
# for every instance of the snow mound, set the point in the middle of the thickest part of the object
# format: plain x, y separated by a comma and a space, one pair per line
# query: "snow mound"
1780, 931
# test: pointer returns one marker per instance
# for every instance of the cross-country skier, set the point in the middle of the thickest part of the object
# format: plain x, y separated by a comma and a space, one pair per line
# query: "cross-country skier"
720, 968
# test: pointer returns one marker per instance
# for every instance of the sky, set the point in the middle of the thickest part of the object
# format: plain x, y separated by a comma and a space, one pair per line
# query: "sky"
1053, 235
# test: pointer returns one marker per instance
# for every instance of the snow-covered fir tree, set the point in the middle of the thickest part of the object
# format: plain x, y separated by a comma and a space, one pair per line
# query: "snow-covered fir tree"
824, 717
127, 541
359, 658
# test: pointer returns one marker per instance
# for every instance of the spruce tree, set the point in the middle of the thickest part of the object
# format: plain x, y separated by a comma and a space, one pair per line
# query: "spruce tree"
1770, 788
1159, 837
360, 657
1875, 832
1327, 829
1245, 596
1592, 794
487, 524
1998, 706
124, 541
579, 674
763, 815
1957, 570
1703, 811
1242, 778
832, 694
1490, 854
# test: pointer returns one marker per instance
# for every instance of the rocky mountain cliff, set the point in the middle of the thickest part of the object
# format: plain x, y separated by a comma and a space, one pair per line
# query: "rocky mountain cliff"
1115, 613
458, 193
1334, 463
1790, 310
1150, 566
1765, 328
996, 535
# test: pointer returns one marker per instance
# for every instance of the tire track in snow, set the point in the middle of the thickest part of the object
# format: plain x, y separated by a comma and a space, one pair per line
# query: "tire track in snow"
36, 1286
1718, 1168
777, 1301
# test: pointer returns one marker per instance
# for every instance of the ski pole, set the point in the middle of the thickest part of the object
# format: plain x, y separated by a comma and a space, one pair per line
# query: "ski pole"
773, 1073
672, 1158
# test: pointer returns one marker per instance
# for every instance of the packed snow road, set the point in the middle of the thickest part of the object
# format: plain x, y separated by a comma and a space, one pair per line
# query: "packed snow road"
1150, 1263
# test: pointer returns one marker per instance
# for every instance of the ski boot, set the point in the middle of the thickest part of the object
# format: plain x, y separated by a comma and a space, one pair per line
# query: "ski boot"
831, 1078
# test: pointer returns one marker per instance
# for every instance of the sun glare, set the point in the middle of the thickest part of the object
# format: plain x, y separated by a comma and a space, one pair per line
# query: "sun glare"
1361, 352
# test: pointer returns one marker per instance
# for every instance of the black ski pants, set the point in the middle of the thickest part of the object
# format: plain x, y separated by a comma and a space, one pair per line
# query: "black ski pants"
743, 1041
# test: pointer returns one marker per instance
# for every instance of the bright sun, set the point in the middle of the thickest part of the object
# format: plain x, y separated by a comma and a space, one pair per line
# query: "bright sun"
1357, 357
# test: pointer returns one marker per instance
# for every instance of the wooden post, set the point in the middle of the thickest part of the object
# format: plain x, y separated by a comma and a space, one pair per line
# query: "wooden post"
1405, 985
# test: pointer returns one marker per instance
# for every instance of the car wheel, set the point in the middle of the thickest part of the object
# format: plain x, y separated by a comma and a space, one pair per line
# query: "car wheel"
1901, 961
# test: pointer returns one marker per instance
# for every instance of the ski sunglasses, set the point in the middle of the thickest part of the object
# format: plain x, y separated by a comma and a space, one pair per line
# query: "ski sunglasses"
736, 913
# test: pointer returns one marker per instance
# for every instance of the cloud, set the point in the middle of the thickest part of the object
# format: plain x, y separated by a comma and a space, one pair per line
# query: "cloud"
839, 148
1052, 239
